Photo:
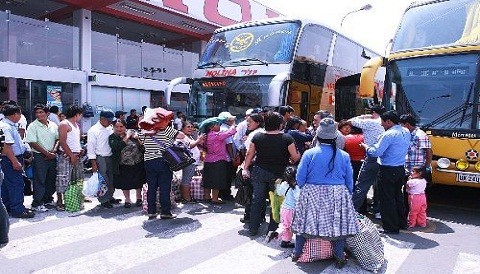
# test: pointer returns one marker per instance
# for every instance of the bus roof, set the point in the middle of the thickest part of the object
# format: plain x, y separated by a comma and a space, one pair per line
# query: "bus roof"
285, 19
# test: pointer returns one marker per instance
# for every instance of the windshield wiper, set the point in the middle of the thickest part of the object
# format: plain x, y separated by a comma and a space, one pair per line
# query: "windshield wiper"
243, 60
213, 64
430, 99
455, 111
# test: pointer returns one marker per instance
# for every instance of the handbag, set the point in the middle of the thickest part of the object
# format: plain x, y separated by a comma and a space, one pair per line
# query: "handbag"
316, 249
27, 186
367, 245
244, 195
74, 197
177, 156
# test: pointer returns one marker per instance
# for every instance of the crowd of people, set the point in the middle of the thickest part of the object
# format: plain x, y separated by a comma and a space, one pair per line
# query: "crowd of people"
327, 168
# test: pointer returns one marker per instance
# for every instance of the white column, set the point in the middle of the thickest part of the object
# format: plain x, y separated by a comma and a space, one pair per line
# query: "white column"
83, 20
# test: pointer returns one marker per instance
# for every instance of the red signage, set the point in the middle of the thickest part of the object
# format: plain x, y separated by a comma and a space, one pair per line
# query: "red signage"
214, 10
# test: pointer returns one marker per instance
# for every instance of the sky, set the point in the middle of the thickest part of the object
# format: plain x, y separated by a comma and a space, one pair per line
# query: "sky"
373, 28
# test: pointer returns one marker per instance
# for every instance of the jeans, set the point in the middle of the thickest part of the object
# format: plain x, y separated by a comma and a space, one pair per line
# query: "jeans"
338, 246
158, 174
12, 187
4, 221
260, 180
105, 168
366, 178
392, 204
45, 174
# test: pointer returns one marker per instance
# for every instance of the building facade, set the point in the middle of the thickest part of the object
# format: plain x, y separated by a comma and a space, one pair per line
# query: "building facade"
107, 53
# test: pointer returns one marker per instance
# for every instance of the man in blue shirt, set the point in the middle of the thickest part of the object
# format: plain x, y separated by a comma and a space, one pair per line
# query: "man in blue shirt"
12, 164
391, 149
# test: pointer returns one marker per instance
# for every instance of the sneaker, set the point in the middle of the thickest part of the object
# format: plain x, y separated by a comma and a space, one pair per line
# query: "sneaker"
41, 208
378, 216
127, 205
50, 205
115, 201
152, 217
24, 215
167, 216
271, 235
245, 220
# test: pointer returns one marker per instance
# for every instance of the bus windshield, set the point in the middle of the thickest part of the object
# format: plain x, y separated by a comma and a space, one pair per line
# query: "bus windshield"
272, 43
441, 24
209, 97
440, 91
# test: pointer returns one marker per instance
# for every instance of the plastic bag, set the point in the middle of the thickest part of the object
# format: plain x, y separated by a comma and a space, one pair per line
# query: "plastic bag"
95, 186
275, 202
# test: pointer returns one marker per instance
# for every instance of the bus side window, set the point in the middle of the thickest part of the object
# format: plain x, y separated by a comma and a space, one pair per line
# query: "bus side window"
315, 44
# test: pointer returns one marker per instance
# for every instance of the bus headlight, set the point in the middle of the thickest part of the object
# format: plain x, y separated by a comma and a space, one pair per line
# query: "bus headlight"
462, 164
477, 166
443, 163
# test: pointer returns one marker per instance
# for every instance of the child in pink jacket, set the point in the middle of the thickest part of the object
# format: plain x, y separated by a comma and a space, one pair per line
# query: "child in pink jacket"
416, 198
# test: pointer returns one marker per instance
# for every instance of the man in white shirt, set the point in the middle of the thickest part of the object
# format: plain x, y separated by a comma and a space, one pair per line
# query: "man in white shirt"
100, 154
371, 126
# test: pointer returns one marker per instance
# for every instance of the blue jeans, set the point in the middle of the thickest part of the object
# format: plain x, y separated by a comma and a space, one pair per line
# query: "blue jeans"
45, 174
338, 246
12, 187
4, 221
158, 174
260, 180
366, 178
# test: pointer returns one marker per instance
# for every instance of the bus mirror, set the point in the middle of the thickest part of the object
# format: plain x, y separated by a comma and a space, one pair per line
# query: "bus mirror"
275, 88
172, 84
367, 78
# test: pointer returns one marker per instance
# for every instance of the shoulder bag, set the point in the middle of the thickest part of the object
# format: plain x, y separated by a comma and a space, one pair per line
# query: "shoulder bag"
177, 156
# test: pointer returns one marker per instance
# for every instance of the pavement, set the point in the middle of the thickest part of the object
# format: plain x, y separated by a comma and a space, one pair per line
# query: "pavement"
210, 239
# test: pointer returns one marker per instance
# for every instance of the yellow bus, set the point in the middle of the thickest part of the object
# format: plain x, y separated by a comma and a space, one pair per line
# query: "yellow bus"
433, 72
272, 62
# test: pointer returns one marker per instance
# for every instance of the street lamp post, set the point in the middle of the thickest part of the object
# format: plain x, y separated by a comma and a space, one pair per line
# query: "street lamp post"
366, 7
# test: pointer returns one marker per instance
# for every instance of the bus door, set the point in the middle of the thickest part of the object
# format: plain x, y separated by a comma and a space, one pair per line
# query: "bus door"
348, 103
299, 98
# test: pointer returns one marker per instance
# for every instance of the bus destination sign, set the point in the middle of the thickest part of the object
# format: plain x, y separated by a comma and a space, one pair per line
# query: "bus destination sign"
435, 72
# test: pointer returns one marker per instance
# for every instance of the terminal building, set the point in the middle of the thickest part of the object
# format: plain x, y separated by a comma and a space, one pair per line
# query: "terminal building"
116, 54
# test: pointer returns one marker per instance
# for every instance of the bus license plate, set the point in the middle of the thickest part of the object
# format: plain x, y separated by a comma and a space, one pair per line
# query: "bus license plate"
468, 178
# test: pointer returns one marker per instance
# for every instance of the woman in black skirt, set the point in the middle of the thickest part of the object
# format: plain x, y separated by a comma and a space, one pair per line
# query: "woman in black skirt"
128, 167
215, 177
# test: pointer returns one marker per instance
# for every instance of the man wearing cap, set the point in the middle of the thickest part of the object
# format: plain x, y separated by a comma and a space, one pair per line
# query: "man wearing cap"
100, 154
120, 114
371, 126
229, 120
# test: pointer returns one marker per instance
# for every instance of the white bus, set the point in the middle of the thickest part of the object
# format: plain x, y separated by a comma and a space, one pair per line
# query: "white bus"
274, 62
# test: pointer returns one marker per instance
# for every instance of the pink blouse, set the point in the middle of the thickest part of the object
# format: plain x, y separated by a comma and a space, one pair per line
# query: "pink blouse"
216, 146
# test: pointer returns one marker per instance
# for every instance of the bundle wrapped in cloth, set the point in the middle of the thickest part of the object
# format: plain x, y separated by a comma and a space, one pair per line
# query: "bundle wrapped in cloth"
155, 119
